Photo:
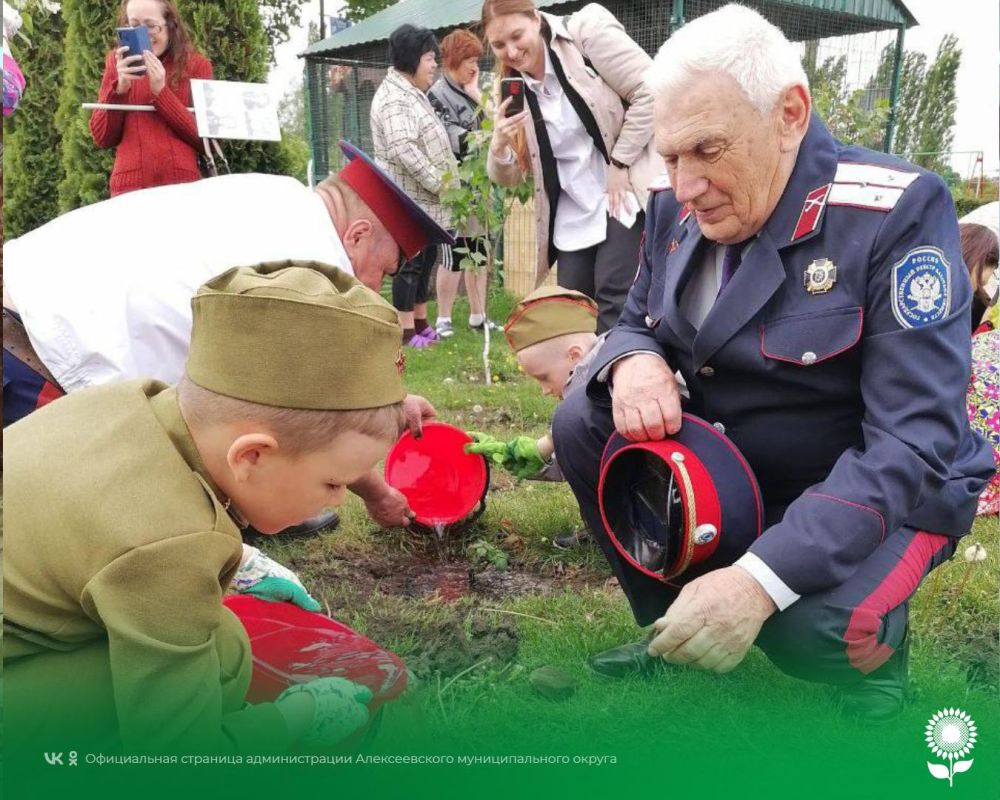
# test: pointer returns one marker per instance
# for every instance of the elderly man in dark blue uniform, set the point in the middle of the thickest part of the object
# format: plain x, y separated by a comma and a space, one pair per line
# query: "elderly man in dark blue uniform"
813, 297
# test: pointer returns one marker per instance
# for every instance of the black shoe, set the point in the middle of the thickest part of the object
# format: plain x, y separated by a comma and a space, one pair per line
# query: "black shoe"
578, 537
326, 521
626, 660
880, 696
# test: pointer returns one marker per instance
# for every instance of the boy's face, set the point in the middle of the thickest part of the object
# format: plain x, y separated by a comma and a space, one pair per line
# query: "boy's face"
550, 363
275, 491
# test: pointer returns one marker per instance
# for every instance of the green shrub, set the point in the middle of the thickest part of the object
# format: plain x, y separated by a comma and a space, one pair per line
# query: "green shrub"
90, 27
963, 204
32, 167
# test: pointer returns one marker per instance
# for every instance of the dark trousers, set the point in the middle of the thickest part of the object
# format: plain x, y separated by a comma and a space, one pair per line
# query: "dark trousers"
26, 383
605, 271
835, 636
411, 285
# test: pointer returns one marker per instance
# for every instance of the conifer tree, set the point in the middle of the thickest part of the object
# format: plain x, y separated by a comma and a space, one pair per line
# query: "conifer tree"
90, 34
32, 167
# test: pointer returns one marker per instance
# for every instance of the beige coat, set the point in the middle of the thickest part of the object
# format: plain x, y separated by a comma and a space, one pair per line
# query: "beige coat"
411, 143
620, 64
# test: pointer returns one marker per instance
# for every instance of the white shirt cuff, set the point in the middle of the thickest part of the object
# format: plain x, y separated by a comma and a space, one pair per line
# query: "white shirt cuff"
778, 590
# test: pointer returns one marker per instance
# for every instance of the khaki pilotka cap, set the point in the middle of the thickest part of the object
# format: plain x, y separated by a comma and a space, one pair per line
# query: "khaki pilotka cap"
549, 312
296, 334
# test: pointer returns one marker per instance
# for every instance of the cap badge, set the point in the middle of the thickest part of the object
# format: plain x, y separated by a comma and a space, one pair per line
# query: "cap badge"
820, 276
673, 246
704, 534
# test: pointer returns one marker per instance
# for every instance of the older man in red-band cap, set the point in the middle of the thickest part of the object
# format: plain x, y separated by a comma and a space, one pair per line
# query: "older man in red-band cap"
103, 293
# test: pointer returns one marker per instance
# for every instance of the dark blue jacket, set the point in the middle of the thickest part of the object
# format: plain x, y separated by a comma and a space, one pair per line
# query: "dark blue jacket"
849, 404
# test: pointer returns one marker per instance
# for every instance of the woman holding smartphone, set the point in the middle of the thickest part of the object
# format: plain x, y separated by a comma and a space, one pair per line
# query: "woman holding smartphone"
586, 137
153, 147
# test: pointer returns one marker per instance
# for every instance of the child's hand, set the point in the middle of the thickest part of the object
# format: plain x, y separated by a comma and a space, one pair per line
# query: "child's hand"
339, 709
265, 578
486, 445
523, 457
520, 456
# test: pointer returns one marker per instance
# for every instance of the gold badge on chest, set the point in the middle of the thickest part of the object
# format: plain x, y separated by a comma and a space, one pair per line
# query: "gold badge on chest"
820, 276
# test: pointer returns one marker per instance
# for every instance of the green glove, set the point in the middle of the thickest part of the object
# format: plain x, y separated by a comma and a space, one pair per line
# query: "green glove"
523, 458
486, 445
340, 709
278, 590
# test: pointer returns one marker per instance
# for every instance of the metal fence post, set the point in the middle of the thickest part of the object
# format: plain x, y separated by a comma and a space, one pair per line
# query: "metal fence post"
890, 125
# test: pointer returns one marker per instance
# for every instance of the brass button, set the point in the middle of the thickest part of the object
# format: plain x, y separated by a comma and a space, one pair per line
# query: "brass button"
706, 372
808, 357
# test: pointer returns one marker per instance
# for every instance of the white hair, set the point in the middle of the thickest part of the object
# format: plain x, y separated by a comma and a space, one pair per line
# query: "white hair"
734, 40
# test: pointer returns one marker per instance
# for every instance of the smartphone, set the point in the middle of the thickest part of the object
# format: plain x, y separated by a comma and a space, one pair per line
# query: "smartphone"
136, 40
512, 87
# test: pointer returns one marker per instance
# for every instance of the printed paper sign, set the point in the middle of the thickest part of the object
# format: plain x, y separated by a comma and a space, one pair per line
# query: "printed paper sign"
234, 110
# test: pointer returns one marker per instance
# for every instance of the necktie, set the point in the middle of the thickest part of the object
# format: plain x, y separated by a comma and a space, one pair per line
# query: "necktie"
730, 262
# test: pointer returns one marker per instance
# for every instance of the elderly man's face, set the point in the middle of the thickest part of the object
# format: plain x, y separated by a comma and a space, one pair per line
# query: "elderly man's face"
373, 252
723, 157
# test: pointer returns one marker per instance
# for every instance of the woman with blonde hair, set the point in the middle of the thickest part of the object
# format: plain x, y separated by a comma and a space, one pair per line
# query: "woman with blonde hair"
586, 137
159, 147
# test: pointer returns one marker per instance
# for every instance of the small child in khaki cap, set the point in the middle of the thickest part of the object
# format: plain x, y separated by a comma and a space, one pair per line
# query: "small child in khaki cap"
123, 512
553, 333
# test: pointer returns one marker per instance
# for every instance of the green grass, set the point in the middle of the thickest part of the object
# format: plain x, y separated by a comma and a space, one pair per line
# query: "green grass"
577, 612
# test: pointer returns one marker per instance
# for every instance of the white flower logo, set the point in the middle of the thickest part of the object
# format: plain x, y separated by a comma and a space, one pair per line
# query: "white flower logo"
951, 734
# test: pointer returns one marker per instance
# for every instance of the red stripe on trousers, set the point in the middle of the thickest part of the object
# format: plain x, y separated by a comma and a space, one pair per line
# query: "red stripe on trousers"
864, 651
47, 394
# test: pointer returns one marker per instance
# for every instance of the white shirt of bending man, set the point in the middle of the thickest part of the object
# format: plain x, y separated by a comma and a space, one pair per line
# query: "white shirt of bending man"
105, 291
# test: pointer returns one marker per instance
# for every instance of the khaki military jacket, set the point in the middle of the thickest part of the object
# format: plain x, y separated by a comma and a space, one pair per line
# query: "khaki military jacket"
114, 531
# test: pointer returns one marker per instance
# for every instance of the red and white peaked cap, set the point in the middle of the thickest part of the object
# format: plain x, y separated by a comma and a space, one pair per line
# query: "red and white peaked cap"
679, 507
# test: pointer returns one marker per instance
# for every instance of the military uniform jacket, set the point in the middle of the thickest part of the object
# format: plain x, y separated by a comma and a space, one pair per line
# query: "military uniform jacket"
845, 390
114, 532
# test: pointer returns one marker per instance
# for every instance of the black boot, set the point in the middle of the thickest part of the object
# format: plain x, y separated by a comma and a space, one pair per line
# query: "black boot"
627, 659
326, 521
879, 697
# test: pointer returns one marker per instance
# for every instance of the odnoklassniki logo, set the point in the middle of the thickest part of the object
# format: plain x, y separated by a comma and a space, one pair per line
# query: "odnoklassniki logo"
951, 734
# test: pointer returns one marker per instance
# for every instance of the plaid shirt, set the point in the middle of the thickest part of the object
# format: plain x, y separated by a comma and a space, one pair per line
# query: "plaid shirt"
411, 143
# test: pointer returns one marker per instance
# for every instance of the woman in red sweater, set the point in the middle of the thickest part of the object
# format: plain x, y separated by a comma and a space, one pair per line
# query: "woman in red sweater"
162, 146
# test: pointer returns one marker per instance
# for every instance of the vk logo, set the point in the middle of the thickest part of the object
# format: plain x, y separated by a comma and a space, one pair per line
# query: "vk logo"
56, 759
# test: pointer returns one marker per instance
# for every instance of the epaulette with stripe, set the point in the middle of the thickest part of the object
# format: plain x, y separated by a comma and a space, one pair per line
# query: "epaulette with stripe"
867, 186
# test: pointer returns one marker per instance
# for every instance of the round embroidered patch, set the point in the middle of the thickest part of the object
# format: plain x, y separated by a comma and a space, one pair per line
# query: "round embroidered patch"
921, 287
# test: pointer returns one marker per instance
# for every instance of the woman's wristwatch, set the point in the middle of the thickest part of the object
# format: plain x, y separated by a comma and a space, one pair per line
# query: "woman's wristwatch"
616, 163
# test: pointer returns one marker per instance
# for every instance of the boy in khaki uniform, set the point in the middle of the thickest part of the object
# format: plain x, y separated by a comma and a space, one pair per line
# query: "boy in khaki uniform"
123, 506
552, 331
